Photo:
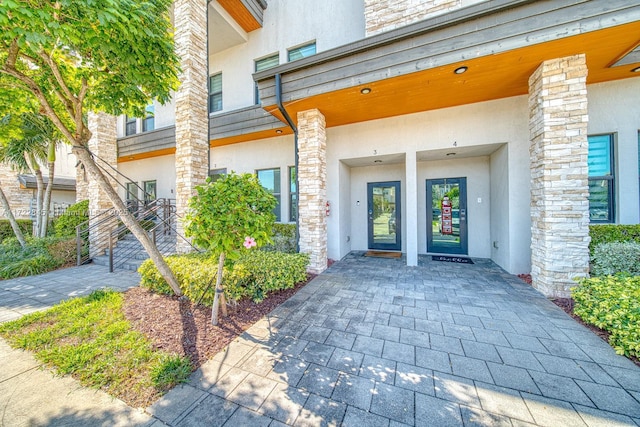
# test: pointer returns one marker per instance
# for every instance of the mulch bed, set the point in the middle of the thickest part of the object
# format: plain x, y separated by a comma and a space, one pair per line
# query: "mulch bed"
176, 325
567, 305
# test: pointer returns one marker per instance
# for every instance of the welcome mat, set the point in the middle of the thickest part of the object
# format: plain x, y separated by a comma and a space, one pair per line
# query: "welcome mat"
380, 254
447, 258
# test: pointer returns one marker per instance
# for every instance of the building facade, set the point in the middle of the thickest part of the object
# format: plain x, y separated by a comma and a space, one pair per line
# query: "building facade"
495, 129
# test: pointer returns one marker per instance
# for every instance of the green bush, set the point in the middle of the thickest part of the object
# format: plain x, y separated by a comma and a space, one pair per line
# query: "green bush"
609, 233
617, 257
253, 275
65, 225
39, 256
284, 239
26, 225
612, 303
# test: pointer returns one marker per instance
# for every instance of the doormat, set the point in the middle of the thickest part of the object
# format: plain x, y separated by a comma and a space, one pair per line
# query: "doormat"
447, 258
380, 254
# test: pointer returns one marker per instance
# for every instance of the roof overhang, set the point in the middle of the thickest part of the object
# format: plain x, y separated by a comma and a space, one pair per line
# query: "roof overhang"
59, 184
501, 42
247, 13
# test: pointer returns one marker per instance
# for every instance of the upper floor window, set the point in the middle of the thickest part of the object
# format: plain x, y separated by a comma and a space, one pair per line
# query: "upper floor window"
301, 51
130, 126
215, 93
264, 64
149, 121
270, 179
601, 178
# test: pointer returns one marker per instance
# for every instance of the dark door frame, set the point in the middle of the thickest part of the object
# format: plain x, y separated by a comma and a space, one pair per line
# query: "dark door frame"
398, 212
463, 215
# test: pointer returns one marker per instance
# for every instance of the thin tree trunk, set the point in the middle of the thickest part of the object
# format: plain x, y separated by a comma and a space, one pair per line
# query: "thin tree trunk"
218, 298
46, 203
127, 218
35, 169
12, 219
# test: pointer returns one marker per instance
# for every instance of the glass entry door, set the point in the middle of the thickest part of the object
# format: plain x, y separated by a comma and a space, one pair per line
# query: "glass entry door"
447, 216
384, 215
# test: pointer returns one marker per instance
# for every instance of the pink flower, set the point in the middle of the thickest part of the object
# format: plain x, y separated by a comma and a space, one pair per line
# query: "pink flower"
249, 242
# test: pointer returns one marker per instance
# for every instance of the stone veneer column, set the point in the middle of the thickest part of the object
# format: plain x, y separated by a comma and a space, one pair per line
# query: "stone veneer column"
103, 145
385, 15
82, 184
192, 139
312, 178
559, 174
19, 199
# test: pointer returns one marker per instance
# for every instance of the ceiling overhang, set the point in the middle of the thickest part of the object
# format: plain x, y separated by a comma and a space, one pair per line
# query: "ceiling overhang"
247, 13
500, 42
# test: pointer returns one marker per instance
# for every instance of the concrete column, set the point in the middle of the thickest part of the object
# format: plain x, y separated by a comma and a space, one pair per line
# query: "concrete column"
312, 178
559, 174
192, 139
103, 145
411, 210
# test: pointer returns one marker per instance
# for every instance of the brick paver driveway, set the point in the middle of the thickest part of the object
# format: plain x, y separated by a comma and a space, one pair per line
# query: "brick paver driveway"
373, 342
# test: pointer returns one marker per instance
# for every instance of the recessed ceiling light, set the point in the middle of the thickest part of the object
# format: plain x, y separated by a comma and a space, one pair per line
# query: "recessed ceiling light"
451, 154
278, 131
377, 161
636, 70
365, 90
461, 70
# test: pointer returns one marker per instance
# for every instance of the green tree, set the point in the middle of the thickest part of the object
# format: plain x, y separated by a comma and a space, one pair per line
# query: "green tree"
227, 214
66, 58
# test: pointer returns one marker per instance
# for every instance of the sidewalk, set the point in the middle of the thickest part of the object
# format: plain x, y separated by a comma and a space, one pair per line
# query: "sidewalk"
31, 396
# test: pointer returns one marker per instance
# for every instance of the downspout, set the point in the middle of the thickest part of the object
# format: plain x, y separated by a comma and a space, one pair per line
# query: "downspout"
293, 127
208, 92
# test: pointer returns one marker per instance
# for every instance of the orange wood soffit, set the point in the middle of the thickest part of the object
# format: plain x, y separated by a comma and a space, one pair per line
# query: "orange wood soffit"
487, 78
250, 137
147, 155
240, 14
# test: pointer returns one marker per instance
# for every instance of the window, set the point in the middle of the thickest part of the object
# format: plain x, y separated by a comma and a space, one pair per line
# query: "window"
601, 178
215, 93
149, 190
302, 52
216, 174
264, 64
270, 179
130, 126
293, 194
132, 196
148, 123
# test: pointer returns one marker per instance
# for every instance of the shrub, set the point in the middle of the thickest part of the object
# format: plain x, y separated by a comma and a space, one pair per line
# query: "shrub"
284, 239
6, 232
617, 257
612, 303
39, 256
254, 275
65, 225
609, 233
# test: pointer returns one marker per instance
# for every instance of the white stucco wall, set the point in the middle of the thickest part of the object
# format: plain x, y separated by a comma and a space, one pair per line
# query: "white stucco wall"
265, 154
287, 24
161, 169
613, 108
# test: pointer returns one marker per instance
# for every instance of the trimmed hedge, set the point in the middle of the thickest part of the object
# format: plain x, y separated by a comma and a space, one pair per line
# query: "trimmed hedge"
617, 257
26, 225
609, 233
612, 303
284, 239
254, 275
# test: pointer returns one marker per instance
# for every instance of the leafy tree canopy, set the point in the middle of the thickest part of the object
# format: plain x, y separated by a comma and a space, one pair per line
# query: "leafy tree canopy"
67, 57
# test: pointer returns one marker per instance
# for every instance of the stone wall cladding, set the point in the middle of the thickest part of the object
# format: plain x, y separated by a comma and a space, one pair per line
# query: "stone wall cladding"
385, 15
82, 184
559, 174
19, 199
312, 177
192, 139
103, 145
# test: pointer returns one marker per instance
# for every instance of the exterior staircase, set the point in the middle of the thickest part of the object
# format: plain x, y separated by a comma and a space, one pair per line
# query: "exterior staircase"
128, 253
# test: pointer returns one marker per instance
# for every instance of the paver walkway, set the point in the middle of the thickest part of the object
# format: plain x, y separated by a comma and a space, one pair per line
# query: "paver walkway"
30, 396
371, 342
